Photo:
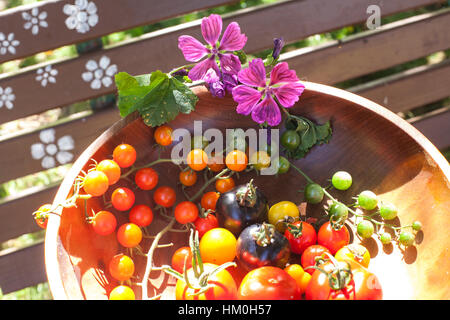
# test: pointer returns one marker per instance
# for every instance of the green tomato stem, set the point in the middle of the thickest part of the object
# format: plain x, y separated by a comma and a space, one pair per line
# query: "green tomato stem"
208, 182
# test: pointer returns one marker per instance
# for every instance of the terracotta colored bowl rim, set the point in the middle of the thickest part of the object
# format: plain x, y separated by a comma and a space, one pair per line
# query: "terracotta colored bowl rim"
52, 242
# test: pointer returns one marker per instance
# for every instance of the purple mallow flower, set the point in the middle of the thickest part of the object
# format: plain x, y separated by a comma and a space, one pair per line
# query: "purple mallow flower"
256, 94
193, 50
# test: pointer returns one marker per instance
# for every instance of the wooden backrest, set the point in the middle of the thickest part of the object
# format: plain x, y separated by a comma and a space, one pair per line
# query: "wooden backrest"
52, 24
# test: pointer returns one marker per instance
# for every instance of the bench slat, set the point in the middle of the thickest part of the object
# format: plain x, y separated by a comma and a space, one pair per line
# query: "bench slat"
108, 16
22, 268
158, 50
435, 127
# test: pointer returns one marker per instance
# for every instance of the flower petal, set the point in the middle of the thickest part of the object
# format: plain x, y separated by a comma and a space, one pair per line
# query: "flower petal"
254, 75
37, 151
64, 157
246, 97
267, 110
289, 93
282, 73
47, 135
229, 63
211, 28
232, 38
66, 143
192, 49
199, 71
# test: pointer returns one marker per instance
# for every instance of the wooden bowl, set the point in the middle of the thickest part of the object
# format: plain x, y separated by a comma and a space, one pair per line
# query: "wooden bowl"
383, 153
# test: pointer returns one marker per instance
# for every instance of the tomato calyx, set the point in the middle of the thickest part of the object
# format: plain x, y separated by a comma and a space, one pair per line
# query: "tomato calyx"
264, 234
247, 196
296, 231
200, 280
203, 213
340, 274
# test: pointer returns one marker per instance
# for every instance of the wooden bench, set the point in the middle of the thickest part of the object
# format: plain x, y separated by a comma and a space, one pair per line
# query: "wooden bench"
332, 63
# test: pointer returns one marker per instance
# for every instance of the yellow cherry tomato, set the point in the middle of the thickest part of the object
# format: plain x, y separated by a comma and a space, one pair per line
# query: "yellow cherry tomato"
218, 246
300, 276
355, 252
122, 292
260, 160
279, 211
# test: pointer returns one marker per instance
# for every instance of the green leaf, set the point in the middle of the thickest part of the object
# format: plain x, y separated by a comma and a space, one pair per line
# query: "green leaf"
158, 97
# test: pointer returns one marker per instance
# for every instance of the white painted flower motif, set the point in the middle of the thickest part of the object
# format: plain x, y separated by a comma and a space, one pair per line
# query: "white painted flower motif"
100, 73
46, 75
82, 15
34, 20
8, 43
7, 97
50, 151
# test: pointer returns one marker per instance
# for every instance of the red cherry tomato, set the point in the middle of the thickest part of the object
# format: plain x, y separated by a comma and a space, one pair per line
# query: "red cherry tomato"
123, 199
146, 178
186, 212
268, 283
163, 135
104, 223
178, 259
141, 215
165, 196
209, 200
333, 239
124, 155
300, 236
202, 225
308, 258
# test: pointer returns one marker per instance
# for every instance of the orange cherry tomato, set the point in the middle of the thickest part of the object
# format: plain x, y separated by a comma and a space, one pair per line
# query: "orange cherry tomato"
124, 155
121, 267
225, 185
122, 292
236, 160
178, 259
129, 235
209, 200
111, 169
163, 135
216, 163
95, 183
188, 178
197, 159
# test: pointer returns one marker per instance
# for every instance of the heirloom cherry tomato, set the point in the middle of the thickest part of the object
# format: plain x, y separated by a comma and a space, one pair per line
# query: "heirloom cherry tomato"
310, 254
163, 135
355, 282
268, 283
122, 292
122, 199
236, 160
104, 223
124, 155
300, 235
202, 225
165, 196
279, 211
225, 185
178, 258
333, 239
209, 200
141, 215
111, 169
223, 286
218, 246
129, 235
186, 212
197, 159
188, 178
95, 183
146, 178
121, 267
356, 252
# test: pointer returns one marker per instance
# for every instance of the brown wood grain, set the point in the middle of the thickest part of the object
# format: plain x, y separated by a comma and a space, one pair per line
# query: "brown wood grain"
113, 16
158, 50
83, 131
22, 268
409, 89
371, 51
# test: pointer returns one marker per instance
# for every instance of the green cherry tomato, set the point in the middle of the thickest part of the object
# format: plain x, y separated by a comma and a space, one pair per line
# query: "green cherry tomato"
338, 212
417, 226
283, 165
342, 180
367, 200
406, 238
365, 229
388, 211
385, 238
313, 193
290, 139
